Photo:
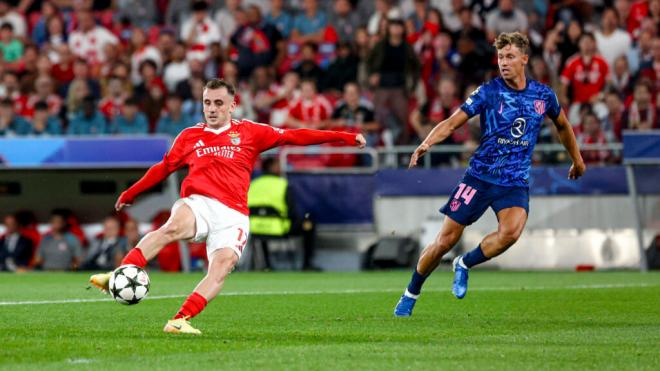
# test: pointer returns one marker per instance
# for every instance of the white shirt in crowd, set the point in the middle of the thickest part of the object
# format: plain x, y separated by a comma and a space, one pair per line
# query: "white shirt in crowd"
17, 21
611, 47
90, 45
207, 32
147, 52
174, 73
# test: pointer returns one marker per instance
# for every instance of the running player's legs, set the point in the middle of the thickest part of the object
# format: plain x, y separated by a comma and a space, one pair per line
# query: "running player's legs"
448, 236
511, 222
180, 226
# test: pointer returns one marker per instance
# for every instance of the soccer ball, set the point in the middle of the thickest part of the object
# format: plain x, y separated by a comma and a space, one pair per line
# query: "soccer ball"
129, 284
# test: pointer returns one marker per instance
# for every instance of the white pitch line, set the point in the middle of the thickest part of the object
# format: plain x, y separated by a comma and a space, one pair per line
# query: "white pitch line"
340, 292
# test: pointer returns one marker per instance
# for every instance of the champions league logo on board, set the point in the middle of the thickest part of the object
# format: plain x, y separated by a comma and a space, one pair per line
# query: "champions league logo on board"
235, 138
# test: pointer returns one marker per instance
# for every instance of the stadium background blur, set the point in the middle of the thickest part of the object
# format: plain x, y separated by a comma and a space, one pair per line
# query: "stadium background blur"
136, 68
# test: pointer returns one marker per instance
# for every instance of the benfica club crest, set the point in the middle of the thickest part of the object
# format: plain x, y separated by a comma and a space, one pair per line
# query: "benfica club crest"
539, 106
235, 138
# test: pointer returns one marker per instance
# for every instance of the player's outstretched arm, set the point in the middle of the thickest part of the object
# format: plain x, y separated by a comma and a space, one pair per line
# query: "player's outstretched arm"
567, 138
306, 137
153, 176
439, 133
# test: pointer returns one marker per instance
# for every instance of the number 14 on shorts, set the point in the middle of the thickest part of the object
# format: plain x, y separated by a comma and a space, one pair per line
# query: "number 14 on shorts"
464, 192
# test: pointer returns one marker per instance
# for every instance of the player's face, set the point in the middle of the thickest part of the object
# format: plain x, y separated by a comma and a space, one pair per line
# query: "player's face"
511, 62
218, 106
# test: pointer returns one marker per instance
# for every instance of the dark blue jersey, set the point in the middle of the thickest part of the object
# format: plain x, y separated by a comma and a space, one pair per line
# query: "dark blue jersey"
510, 123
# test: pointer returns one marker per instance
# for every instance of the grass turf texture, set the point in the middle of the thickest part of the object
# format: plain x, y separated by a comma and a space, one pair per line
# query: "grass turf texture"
507, 321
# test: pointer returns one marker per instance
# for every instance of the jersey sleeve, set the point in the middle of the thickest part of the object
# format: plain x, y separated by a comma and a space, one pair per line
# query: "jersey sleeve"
175, 157
552, 103
267, 137
476, 102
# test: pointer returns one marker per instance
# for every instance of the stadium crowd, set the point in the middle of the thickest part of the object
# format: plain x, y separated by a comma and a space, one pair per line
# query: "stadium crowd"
390, 69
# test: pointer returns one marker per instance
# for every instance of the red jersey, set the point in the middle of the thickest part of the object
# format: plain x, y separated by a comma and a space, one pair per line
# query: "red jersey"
311, 111
586, 80
220, 161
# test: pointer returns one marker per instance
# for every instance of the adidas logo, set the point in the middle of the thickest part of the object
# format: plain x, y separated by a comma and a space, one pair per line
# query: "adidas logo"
198, 144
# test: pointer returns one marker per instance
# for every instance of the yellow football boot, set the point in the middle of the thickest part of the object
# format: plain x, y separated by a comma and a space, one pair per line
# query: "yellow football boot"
180, 326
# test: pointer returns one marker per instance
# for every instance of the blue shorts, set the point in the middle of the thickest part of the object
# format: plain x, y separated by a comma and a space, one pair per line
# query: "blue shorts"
470, 199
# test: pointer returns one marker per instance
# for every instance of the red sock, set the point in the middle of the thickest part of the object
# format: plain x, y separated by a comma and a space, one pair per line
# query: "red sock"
135, 257
194, 304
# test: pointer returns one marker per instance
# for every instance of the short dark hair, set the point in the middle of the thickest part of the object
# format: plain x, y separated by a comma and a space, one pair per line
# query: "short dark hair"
589, 35
199, 5
512, 38
6, 102
220, 83
132, 101
7, 26
41, 106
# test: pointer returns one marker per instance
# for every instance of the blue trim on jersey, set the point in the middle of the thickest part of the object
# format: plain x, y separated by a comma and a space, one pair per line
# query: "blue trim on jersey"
510, 122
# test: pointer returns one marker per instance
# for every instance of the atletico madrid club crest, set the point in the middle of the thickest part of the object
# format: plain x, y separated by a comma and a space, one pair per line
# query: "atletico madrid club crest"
454, 205
539, 106
235, 138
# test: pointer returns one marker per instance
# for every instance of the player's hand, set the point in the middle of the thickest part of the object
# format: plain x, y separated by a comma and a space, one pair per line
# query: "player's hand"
122, 202
419, 152
577, 170
360, 141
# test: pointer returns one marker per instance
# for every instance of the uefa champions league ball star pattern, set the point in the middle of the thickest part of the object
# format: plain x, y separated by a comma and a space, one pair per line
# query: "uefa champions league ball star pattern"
129, 284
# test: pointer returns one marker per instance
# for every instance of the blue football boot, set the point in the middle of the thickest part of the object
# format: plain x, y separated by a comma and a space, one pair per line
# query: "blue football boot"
459, 288
405, 306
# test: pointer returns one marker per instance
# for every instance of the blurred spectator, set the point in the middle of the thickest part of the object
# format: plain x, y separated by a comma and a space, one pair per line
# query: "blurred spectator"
214, 63
506, 18
620, 79
185, 87
176, 70
89, 121
107, 249
592, 133
44, 91
63, 68
252, 46
174, 120
393, 71
585, 73
344, 68
192, 106
353, 111
43, 123
344, 20
641, 52
309, 24
140, 13
263, 93
132, 233
277, 49
280, 18
15, 249
55, 38
199, 31
642, 114
424, 118
613, 122
112, 103
611, 41
59, 250
311, 110
287, 93
226, 18
150, 79
10, 46
10, 122
142, 51
165, 44
11, 16
362, 51
130, 120
88, 40
650, 70
308, 68
383, 9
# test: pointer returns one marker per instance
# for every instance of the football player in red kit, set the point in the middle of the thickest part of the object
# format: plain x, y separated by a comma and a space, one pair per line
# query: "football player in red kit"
220, 155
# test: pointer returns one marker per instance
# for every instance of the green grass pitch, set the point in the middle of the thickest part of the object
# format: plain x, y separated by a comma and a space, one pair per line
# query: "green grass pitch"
339, 321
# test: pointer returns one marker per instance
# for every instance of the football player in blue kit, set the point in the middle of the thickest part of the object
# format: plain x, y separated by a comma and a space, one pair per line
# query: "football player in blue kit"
511, 108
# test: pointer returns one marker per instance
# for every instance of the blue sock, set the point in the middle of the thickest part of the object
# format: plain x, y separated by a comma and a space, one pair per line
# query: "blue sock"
416, 282
474, 257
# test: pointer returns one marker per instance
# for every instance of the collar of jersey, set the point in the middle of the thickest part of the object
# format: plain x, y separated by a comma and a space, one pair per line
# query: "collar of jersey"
527, 80
218, 131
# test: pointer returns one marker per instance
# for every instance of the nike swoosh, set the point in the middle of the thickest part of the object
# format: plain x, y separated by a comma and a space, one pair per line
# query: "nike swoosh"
178, 327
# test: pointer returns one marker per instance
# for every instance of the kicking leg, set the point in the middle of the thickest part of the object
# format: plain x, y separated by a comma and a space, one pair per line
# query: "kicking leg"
180, 226
511, 224
222, 263
429, 260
